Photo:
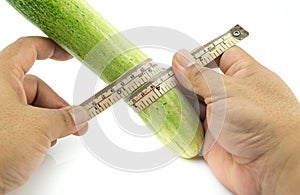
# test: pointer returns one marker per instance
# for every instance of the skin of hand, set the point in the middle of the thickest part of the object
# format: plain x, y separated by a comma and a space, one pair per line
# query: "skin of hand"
255, 147
32, 115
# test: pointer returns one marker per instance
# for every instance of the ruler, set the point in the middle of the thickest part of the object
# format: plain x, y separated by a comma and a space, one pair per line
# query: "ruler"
146, 82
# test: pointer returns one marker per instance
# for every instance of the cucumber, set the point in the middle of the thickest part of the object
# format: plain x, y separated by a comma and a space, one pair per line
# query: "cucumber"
85, 34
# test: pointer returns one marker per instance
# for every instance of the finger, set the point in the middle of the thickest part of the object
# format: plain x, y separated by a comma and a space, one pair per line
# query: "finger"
198, 104
202, 110
203, 81
214, 63
236, 62
23, 52
220, 162
58, 123
39, 94
53, 143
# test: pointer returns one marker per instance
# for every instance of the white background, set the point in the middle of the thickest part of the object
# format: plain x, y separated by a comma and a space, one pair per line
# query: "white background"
69, 167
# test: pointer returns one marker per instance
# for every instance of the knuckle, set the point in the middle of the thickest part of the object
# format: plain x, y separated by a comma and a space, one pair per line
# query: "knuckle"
13, 180
32, 77
67, 120
24, 41
193, 73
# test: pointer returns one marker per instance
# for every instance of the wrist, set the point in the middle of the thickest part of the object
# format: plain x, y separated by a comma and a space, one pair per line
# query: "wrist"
282, 173
1, 187
288, 180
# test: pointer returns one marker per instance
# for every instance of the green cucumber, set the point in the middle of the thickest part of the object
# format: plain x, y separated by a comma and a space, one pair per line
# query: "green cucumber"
80, 30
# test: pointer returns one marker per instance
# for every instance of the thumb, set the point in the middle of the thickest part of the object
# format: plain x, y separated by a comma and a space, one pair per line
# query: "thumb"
58, 123
203, 81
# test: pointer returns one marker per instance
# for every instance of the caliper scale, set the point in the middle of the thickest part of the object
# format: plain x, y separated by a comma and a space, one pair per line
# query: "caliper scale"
146, 82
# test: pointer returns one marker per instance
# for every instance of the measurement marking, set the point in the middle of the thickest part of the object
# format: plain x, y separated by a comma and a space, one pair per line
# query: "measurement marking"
137, 81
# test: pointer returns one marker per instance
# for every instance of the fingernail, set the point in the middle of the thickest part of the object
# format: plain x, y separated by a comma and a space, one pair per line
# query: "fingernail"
184, 58
80, 116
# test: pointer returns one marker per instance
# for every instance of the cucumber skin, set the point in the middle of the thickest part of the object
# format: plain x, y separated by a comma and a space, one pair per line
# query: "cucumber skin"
79, 29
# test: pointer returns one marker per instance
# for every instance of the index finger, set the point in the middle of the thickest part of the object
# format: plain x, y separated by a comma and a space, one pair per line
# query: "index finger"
237, 62
23, 52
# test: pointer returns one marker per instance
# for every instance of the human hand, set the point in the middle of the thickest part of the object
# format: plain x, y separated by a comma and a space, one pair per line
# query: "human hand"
32, 115
252, 123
